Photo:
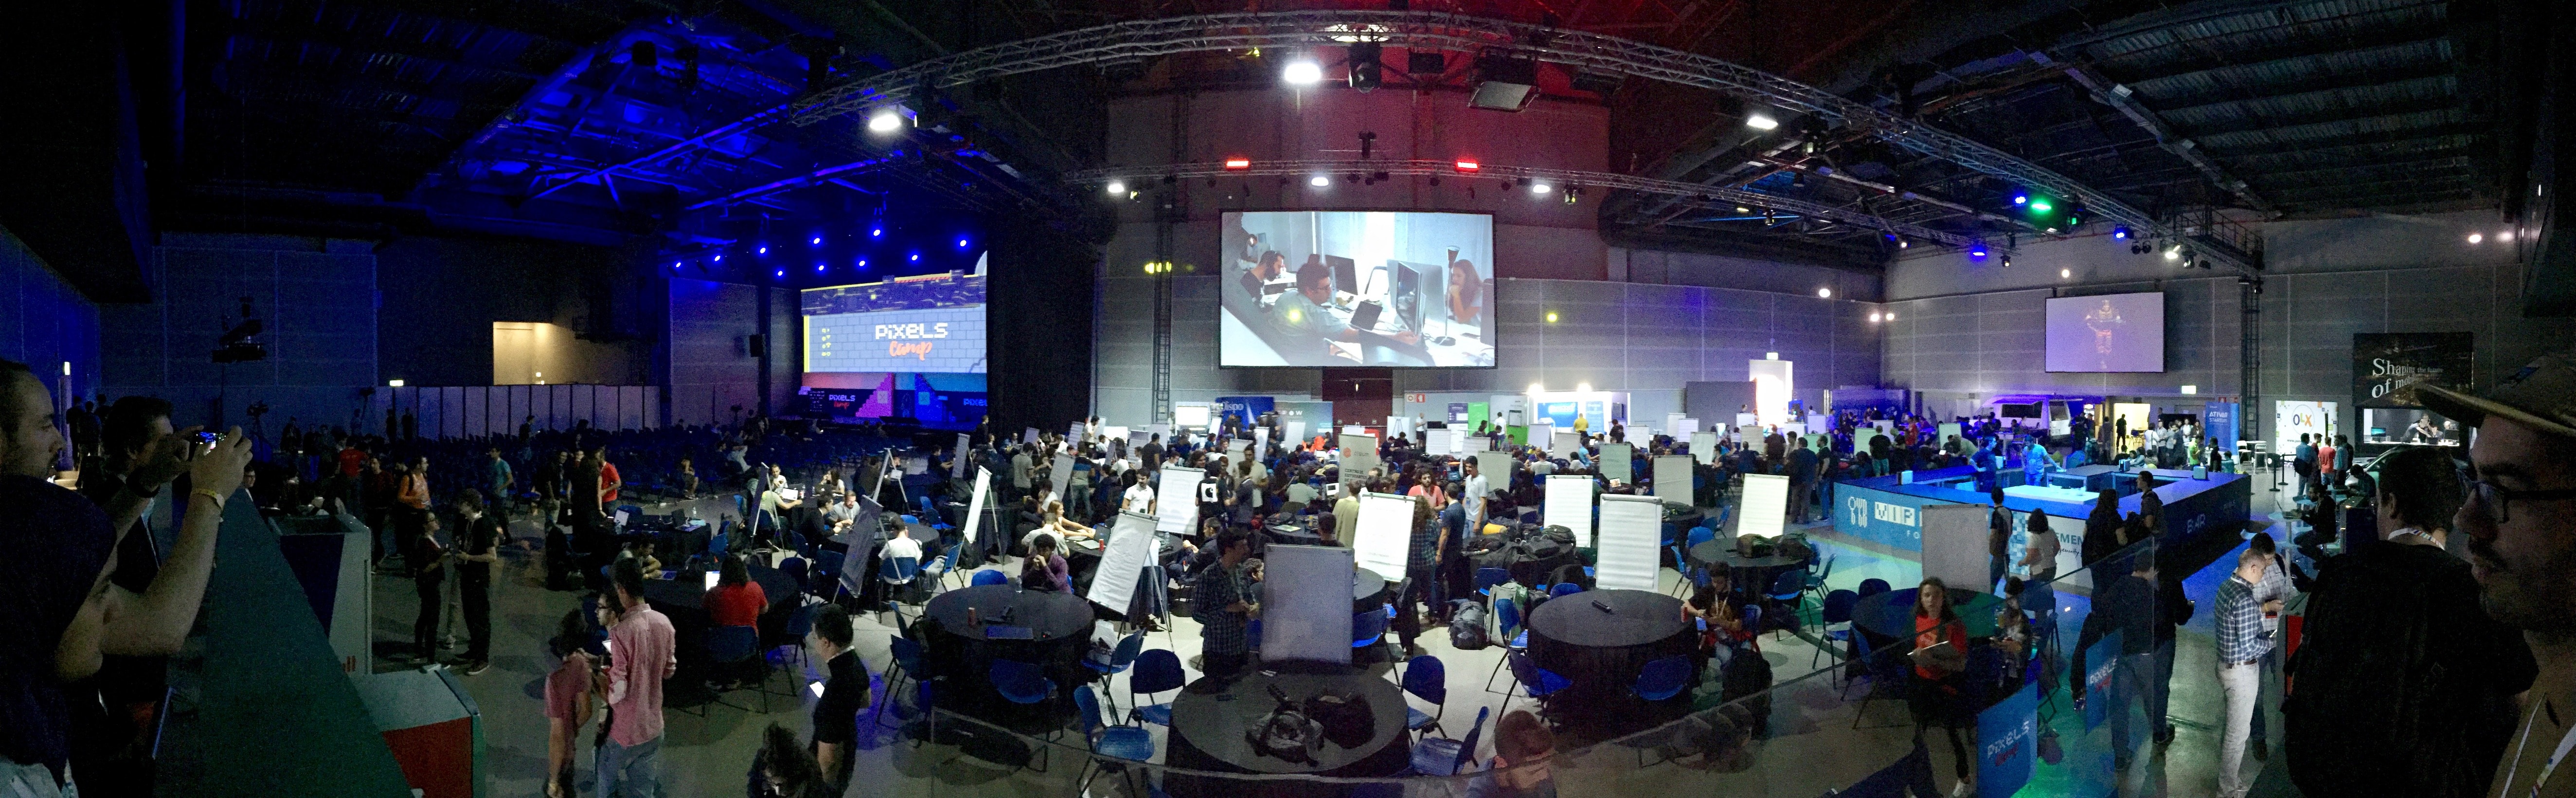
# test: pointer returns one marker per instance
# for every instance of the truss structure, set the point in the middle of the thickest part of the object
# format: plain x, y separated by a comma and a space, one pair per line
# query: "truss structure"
1690, 194
1140, 39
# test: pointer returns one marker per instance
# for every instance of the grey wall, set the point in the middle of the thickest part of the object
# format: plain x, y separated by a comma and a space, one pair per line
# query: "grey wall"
709, 373
317, 298
443, 294
1973, 328
1720, 271
44, 322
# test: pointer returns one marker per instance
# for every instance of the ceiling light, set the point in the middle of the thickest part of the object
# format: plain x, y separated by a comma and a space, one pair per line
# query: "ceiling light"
719, 257
818, 241
876, 233
2065, 273
1583, 387
1827, 293
1742, 209
1238, 163
2041, 206
1891, 316
393, 383
2174, 252
2007, 261
1551, 317
1977, 251
1873, 318
1539, 188
1770, 355
1116, 187
2119, 234
1761, 121
961, 243
1302, 73
764, 249
2505, 236
1468, 166
1538, 388
885, 121
916, 257
2021, 199
1319, 181
2477, 238
818, 268
782, 273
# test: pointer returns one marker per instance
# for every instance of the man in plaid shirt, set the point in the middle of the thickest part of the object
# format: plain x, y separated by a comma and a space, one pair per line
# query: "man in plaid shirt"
1223, 608
2242, 642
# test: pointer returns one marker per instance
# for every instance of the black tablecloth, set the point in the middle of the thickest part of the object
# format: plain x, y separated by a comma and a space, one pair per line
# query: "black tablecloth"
1890, 615
1750, 576
1295, 534
1602, 652
1060, 627
684, 600
1368, 589
1210, 717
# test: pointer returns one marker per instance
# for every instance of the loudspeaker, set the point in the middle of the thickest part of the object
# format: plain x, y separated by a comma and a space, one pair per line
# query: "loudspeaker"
755, 346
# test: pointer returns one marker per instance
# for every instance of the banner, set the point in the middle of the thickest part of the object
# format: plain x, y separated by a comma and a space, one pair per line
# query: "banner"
2007, 734
2101, 691
2388, 367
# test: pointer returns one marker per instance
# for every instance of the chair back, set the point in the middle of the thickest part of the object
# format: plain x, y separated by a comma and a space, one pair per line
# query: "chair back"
801, 622
1021, 682
908, 654
1872, 587
1087, 705
1427, 679
1663, 678
1829, 569
1564, 589
904, 568
1753, 618
991, 577
1489, 577
1125, 654
1368, 627
795, 569
1507, 616
1156, 671
1467, 747
1702, 534
1838, 606
733, 643
716, 544
1788, 585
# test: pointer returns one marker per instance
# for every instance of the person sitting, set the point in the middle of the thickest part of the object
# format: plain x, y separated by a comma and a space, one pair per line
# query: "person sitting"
736, 600
641, 552
782, 769
1522, 747
2012, 630
1713, 603
1045, 569
687, 479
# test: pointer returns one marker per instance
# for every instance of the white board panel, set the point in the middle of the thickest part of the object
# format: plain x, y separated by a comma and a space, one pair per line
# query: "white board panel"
1617, 461
1060, 475
1472, 444
1296, 431
1385, 532
958, 457
1703, 445
1766, 504
1496, 467
1673, 478
976, 528
1359, 454
1132, 546
1562, 443
1569, 505
1954, 544
1631, 528
1306, 604
1177, 507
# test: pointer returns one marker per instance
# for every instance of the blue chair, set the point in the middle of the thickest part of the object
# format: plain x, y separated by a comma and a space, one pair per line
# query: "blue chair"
1021, 682
897, 573
1426, 679
1129, 743
794, 568
1507, 620
908, 664
991, 577
1838, 610
1662, 678
1790, 589
826, 572
1368, 628
1488, 578
1872, 587
1816, 581
1527, 675
1153, 672
1119, 659
733, 649
1439, 756
792, 636
1564, 589
1887, 677
1692, 573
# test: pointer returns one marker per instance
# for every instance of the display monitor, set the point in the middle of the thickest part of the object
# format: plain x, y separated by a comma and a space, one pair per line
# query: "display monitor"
2107, 333
925, 323
1354, 288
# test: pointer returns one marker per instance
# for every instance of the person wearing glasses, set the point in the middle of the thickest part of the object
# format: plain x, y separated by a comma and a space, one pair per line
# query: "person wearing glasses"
2522, 550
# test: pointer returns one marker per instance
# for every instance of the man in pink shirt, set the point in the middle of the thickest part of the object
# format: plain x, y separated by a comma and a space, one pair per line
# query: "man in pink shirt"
640, 657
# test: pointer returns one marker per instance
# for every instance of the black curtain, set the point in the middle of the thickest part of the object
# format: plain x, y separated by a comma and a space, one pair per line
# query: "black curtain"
1040, 284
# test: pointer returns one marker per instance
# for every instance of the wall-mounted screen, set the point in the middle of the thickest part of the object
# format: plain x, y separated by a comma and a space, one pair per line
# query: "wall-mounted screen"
926, 323
1352, 288
2111, 332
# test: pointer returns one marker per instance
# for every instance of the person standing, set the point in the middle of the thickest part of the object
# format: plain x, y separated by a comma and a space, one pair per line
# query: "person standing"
1802, 481
568, 703
2303, 460
1999, 530
1346, 514
640, 657
2274, 593
845, 690
427, 561
477, 549
1939, 651
1421, 571
2242, 642
497, 475
1224, 607
2125, 606
2039, 565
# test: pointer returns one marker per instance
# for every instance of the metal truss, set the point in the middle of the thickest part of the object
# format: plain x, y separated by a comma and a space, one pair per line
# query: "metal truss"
1129, 41
1559, 179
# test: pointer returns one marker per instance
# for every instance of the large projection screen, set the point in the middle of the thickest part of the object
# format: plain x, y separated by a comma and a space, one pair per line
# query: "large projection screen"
924, 323
1356, 288
2107, 333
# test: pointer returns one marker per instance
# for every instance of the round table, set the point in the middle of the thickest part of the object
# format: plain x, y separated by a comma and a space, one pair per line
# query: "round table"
1599, 640
1210, 717
683, 600
1368, 589
1890, 615
1718, 553
1295, 535
1059, 627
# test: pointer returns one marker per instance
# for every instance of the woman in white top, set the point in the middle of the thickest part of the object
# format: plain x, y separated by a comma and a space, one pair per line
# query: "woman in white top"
1140, 497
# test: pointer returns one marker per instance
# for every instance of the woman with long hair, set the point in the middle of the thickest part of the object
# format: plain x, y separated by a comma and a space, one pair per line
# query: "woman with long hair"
567, 700
2102, 528
1939, 653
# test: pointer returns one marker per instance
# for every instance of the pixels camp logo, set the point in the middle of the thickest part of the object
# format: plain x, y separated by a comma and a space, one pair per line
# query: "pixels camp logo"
911, 340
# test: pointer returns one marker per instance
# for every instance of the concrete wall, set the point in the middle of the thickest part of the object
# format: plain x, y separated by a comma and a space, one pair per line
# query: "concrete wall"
442, 296
709, 373
45, 323
316, 297
1969, 328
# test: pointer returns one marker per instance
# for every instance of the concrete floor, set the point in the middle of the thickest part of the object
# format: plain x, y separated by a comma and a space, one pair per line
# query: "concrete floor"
1811, 747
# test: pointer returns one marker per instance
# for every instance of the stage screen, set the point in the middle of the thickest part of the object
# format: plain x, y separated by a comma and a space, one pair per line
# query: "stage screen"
1351, 288
2114, 332
925, 323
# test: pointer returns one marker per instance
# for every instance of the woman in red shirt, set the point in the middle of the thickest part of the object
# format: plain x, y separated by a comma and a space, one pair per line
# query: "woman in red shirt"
736, 600
1933, 692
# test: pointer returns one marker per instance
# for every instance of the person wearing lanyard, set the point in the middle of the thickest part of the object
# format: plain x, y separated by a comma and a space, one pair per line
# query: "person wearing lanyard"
2522, 544
2242, 642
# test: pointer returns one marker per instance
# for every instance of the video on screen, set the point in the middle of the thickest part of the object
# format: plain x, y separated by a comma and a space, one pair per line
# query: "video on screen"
925, 323
1357, 288
2109, 333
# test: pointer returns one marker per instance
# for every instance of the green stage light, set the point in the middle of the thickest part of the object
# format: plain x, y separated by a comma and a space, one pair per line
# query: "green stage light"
2040, 206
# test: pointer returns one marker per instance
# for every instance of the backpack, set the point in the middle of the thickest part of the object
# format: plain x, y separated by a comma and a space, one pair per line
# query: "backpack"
1748, 676
1467, 626
2373, 708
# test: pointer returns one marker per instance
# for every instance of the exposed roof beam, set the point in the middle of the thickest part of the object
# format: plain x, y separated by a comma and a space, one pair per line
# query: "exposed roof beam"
575, 22
2118, 97
2384, 65
2329, 105
2341, 174
361, 41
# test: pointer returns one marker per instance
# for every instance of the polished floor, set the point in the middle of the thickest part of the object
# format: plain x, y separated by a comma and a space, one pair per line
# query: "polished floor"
1810, 747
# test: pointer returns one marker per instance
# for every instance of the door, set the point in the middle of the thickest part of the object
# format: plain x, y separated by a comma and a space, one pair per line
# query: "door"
1360, 396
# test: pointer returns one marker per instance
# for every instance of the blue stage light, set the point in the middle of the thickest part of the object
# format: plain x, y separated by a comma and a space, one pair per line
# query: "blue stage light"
764, 249
818, 268
782, 273
877, 233
961, 243
2021, 199
916, 257
1977, 251
818, 241
2120, 233
719, 258
863, 263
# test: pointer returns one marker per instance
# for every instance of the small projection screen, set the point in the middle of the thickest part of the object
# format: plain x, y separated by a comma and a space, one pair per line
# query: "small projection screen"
1356, 288
2111, 332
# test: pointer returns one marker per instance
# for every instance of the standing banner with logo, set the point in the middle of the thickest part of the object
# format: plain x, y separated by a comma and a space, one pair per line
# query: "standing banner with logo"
2102, 691
2007, 733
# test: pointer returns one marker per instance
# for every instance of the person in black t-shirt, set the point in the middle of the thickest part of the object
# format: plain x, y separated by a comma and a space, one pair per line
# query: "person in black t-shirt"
427, 560
836, 714
475, 556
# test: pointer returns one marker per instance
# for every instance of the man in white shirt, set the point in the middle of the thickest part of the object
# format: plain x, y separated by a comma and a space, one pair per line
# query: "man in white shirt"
902, 545
1139, 497
1473, 491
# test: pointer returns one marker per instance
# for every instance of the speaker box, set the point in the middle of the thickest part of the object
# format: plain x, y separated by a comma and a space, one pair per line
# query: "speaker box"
755, 346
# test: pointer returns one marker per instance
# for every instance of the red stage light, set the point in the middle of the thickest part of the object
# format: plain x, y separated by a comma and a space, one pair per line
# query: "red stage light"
1238, 163
1469, 166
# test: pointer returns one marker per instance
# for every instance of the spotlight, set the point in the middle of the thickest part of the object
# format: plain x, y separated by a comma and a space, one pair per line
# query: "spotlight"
781, 273
961, 243
1977, 251
1319, 181
2021, 199
2065, 274
1540, 188
1116, 187
1504, 83
2505, 236
1464, 165
2052, 231
1827, 293
1583, 387
1873, 318
818, 241
1238, 164
916, 257
1302, 73
1366, 66
2007, 261
2119, 234
1902, 242
1742, 209
1536, 387
2041, 205
2174, 253
764, 249
818, 268
863, 263
885, 120
393, 383
880, 232
719, 257
1891, 317
2477, 237
1551, 317
1761, 121
675, 264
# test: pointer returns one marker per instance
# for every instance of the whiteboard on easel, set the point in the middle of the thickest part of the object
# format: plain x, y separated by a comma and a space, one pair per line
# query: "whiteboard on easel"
957, 462
1306, 604
1178, 510
1385, 532
1615, 461
1473, 444
1631, 527
1296, 431
1061, 475
1132, 546
1439, 442
1359, 456
1569, 504
975, 526
1496, 468
1673, 478
1704, 447
1562, 443
1766, 505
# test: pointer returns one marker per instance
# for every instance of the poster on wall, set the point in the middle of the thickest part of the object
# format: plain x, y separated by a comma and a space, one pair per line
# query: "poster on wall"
2290, 419
2387, 368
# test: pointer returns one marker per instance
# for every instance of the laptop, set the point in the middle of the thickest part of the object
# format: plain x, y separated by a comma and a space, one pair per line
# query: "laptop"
1365, 316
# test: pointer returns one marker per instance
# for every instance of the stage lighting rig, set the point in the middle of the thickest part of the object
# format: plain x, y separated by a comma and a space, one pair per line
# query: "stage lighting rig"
1507, 83
1366, 70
